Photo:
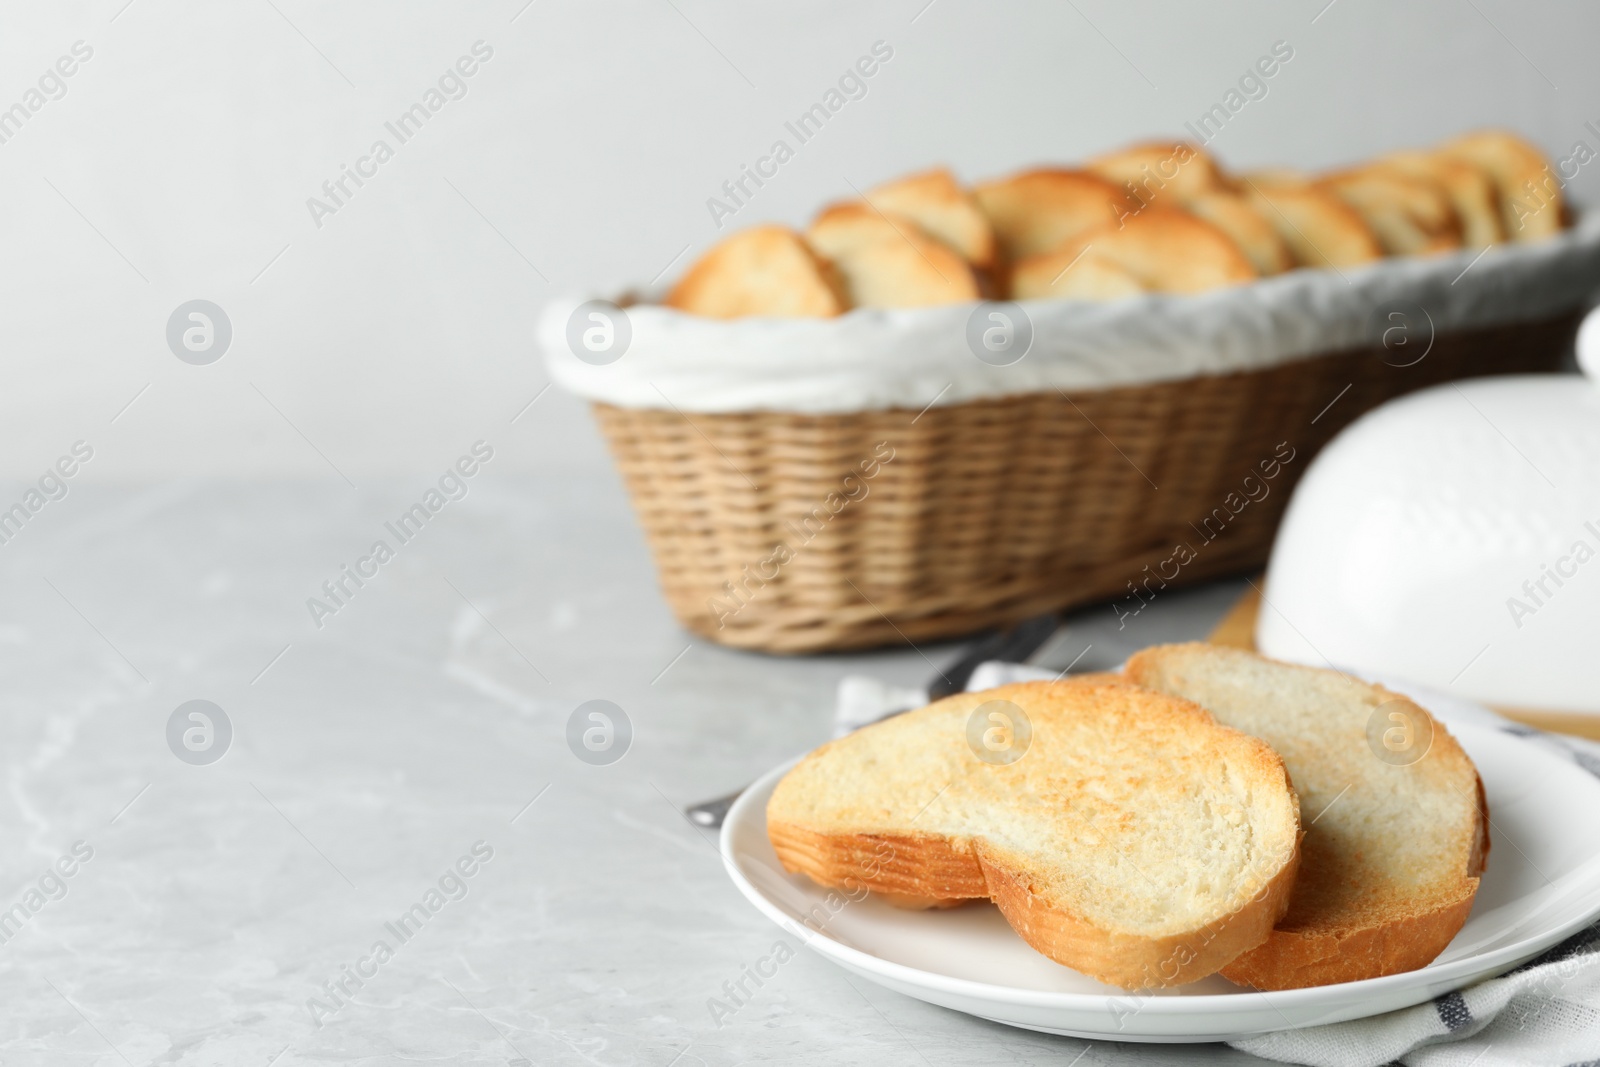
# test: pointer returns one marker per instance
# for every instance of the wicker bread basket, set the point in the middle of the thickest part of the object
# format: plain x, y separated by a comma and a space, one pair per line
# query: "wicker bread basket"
804, 531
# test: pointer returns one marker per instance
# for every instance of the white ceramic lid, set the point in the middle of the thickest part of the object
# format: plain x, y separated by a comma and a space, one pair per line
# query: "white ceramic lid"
1452, 537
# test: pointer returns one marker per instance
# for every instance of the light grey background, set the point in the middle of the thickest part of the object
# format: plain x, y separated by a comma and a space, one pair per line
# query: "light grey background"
178, 165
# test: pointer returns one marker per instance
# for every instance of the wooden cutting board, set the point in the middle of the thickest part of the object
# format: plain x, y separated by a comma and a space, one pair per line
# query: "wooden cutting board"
1238, 630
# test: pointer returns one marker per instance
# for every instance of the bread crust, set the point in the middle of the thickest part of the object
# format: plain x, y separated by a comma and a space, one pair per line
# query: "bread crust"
929, 871
933, 869
1134, 962
1296, 959
913, 867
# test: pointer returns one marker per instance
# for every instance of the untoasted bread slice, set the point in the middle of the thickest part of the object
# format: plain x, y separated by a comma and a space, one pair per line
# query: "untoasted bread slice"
1135, 839
1469, 188
765, 270
1256, 237
884, 261
1086, 276
1167, 250
1320, 229
1393, 847
935, 201
1170, 173
1039, 210
1531, 205
1410, 215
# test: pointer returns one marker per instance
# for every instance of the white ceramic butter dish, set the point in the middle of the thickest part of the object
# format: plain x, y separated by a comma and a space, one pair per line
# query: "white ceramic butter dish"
1452, 537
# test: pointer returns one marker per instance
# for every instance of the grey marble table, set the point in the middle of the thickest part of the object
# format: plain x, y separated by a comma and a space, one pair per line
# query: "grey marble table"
411, 750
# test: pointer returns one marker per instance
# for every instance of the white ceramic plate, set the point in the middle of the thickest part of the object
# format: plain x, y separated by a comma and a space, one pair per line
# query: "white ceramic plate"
1542, 884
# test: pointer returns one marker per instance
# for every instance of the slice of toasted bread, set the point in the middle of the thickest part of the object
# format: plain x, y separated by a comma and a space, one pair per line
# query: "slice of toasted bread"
1168, 250
1531, 204
1237, 217
765, 270
1469, 188
1083, 276
1039, 210
1272, 176
1410, 215
1130, 837
1394, 843
885, 261
841, 228
935, 201
1169, 173
1320, 229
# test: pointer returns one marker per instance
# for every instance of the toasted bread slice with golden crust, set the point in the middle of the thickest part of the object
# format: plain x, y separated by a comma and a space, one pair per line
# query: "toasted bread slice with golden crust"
1130, 836
1039, 210
1237, 217
935, 201
1169, 173
1397, 826
765, 270
841, 228
1086, 276
885, 261
1531, 204
919, 272
1469, 188
1168, 250
1320, 229
1410, 215
1271, 176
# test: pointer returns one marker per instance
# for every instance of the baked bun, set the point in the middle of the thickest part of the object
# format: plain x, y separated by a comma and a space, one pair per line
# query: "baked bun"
1167, 250
1410, 215
1169, 173
935, 201
1531, 206
765, 270
1470, 189
1320, 229
884, 261
1255, 235
1039, 210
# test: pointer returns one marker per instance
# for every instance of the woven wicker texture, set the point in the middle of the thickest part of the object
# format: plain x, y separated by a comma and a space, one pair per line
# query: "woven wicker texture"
804, 533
